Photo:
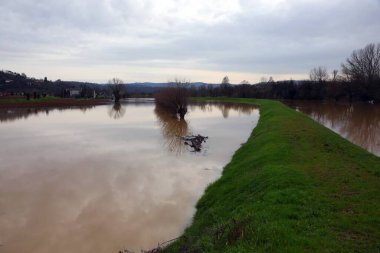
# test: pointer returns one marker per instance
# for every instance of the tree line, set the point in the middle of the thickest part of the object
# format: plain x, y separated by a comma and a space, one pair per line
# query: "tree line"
358, 80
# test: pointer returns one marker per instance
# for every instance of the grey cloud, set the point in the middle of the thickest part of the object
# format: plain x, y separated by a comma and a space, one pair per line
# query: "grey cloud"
291, 37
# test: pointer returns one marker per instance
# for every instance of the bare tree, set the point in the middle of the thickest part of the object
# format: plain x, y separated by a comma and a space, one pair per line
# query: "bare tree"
226, 87
319, 74
226, 80
335, 75
117, 88
175, 98
263, 79
363, 64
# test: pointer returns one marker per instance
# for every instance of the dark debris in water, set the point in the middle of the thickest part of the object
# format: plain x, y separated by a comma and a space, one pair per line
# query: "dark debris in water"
195, 141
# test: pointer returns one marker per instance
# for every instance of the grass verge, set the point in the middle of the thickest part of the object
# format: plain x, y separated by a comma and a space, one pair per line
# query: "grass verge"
294, 186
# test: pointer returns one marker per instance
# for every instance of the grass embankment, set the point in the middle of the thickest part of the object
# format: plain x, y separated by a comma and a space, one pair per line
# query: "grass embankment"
49, 101
294, 186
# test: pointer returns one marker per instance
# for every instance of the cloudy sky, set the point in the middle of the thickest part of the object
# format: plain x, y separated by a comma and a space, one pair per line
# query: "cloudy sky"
200, 40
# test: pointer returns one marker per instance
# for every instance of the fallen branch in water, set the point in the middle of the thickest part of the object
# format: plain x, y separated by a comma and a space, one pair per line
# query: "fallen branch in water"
195, 142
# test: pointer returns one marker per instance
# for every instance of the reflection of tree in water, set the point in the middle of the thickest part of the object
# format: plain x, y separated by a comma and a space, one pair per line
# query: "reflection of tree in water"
360, 122
225, 108
117, 111
172, 130
205, 107
83, 109
10, 115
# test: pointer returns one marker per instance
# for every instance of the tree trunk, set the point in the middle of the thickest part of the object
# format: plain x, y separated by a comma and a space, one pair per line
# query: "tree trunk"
182, 112
117, 97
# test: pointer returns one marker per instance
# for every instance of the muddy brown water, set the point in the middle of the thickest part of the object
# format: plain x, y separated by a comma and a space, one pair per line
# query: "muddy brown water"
109, 177
357, 122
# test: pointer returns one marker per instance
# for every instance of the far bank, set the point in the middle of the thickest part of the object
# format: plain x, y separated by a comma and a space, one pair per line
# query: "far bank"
49, 101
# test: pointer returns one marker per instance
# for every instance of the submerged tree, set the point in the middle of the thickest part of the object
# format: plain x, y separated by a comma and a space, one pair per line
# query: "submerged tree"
116, 86
175, 98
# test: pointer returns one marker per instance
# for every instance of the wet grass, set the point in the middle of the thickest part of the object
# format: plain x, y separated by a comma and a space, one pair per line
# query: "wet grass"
294, 186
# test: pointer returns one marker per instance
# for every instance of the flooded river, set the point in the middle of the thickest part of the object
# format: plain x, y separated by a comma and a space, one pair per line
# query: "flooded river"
109, 177
358, 122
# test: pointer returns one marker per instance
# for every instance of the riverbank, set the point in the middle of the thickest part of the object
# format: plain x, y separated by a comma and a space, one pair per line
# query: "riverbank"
294, 186
47, 102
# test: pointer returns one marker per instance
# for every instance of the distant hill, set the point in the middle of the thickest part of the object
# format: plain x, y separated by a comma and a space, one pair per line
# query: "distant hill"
16, 83
150, 88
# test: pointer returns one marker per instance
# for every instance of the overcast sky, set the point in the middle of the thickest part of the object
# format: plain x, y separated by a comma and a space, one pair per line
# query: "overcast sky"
200, 40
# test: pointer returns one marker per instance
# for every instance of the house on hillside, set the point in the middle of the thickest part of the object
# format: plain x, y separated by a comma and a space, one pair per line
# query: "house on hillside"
74, 92
80, 92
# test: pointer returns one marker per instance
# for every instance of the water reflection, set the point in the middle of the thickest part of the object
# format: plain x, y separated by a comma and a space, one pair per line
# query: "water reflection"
14, 114
83, 182
224, 108
116, 111
358, 122
172, 130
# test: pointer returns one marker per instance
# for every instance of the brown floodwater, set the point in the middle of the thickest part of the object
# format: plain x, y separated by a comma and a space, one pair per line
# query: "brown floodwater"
106, 178
357, 122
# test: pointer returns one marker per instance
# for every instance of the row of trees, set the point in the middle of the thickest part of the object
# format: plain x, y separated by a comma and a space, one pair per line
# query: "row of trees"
291, 89
362, 66
359, 79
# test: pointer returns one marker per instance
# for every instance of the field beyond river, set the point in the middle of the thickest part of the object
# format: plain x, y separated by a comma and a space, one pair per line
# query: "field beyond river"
294, 186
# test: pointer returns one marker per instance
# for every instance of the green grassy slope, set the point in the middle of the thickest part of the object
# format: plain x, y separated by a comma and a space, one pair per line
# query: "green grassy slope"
294, 186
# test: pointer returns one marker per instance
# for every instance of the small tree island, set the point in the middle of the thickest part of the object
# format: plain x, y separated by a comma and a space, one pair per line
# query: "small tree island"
174, 99
116, 87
